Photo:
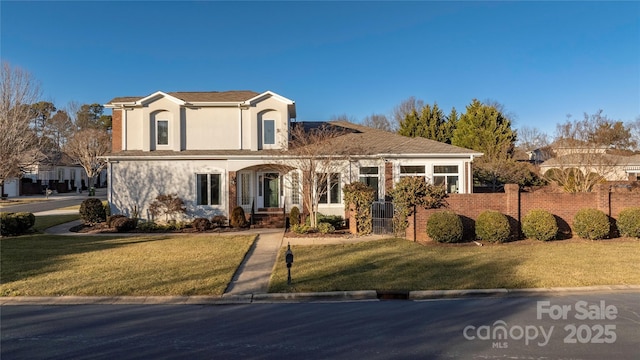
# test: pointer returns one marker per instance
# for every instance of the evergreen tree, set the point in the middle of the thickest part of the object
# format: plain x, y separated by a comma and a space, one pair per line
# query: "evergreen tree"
428, 122
484, 128
450, 125
411, 125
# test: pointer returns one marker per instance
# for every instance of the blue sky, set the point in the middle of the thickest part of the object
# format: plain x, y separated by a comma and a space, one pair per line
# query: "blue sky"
542, 60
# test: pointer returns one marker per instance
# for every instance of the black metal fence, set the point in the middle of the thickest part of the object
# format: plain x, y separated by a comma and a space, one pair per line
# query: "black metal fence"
382, 216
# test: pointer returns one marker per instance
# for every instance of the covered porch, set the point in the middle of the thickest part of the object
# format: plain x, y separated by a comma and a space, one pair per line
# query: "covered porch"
266, 193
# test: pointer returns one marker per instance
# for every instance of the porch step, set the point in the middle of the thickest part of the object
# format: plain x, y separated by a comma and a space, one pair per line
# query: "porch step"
269, 220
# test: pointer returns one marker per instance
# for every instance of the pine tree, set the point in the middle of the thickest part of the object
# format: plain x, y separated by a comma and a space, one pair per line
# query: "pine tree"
484, 128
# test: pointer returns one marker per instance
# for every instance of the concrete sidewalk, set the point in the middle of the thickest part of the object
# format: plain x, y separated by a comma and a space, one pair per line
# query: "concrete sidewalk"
254, 273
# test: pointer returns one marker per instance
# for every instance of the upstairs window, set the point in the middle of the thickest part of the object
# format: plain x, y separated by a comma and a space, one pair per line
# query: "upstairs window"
162, 132
269, 132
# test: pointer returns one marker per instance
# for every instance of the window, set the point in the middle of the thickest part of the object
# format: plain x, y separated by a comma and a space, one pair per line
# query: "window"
413, 170
447, 176
330, 189
208, 186
369, 176
162, 132
245, 189
295, 188
269, 132
60, 175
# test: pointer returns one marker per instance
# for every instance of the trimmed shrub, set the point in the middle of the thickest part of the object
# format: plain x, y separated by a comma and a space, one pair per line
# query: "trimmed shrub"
493, 226
358, 198
148, 226
326, 228
26, 220
238, 219
629, 222
201, 224
591, 224
301, 229
218, 221
294, 216
540, 225
16, 223
110, 219
123, 224
445, 226
92, 211
8, 224
336, 220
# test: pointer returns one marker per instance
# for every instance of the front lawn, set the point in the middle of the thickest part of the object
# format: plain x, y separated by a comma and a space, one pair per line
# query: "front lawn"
46, 221
396, 264
45, 265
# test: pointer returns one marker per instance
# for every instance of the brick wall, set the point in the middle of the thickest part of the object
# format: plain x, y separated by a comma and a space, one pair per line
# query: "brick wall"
515, 205
116, 131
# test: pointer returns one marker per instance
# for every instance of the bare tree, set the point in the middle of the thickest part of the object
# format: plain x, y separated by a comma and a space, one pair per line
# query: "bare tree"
87, 147
634, 127
586, 152
316, 153
377, 121
343, 117
18, 143
406, 107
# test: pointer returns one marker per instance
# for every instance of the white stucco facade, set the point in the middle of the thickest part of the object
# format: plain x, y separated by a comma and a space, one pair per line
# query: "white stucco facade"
220, 150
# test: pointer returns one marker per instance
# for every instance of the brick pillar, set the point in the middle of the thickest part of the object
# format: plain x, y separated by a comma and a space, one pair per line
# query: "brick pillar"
388, 177
512, 192
233, 198
116, 130
351, 218
602, 198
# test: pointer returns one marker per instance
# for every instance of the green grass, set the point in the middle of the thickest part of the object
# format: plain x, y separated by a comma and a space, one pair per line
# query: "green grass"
396, 264
44, 265
20, 201
46, 221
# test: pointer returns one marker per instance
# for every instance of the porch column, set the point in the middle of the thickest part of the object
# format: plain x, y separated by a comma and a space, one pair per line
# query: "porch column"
388, 178
233, 194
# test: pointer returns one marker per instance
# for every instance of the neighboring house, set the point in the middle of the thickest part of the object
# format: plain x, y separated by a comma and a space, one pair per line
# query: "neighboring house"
11, 187
611, 167
58, 173
219, 150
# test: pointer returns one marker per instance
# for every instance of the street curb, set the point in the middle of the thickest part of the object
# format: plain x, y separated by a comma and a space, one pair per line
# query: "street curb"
439, 294
316, 296
265, 298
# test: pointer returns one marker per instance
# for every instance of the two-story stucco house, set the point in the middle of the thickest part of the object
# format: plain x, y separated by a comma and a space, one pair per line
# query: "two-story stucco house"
219, 150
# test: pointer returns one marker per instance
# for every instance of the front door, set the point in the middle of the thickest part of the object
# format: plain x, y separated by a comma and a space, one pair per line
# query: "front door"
270, 190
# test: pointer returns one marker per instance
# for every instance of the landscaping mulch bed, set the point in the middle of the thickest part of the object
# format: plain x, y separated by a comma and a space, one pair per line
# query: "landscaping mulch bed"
337, 234
102, 228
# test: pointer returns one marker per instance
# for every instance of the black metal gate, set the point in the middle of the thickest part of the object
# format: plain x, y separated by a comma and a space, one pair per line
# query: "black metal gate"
382, 216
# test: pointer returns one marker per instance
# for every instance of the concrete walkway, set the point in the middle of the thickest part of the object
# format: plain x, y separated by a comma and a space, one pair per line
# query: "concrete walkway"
254, 273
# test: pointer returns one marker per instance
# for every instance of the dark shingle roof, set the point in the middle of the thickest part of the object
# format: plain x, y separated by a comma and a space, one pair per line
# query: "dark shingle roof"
199, 96
375, 141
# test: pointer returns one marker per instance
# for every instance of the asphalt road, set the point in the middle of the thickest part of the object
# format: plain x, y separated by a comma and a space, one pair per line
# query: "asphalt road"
55, 202
541, 327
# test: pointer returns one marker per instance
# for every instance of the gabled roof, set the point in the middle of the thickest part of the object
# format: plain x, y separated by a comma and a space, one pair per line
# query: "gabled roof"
584, 159
237, 96
365, 140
